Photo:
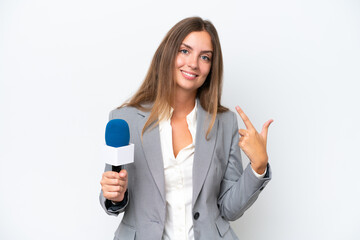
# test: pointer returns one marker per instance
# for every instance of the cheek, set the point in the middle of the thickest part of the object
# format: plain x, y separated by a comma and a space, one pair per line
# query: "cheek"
179, 61
205, 69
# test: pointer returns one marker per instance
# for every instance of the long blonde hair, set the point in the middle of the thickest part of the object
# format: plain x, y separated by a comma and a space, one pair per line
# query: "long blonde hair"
159, 85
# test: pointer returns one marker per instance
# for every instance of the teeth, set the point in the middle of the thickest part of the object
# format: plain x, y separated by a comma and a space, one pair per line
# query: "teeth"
188, 74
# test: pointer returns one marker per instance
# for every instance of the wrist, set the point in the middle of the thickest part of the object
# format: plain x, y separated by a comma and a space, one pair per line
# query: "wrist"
259, 169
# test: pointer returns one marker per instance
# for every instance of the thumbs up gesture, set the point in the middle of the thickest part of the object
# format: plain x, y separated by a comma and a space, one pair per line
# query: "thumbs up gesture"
253, 143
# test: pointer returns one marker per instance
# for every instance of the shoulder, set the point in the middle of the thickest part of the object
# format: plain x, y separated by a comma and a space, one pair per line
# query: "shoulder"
129, 113
226, 117
228, 122
123, 112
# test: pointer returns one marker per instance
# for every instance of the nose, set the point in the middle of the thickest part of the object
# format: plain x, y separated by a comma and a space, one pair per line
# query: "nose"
192, 62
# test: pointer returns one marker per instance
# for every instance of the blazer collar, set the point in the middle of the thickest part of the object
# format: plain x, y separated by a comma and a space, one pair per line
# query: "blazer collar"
152, 151
204, 149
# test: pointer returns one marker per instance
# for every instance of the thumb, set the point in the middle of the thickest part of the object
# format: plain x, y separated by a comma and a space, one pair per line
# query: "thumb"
265, 128
123, 173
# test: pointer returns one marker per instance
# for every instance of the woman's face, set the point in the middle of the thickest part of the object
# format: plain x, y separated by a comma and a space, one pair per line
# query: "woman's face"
193, 61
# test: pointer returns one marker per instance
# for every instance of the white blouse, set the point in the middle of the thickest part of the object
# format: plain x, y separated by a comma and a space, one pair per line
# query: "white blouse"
178, 181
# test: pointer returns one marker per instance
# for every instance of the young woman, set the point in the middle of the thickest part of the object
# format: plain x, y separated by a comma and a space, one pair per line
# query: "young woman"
187, 179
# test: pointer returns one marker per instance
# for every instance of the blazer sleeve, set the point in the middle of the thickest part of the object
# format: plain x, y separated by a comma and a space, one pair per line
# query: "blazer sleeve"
239, 188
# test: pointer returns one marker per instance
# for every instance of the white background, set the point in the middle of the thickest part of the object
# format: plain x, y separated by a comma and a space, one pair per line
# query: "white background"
65, 64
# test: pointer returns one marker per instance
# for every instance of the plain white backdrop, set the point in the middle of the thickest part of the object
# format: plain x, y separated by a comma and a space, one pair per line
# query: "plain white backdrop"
65, 64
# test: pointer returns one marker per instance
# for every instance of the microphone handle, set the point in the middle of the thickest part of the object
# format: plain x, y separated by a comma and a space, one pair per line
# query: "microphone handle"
116, 168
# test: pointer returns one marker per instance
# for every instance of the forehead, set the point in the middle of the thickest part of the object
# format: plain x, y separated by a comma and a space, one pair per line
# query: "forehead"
199, 40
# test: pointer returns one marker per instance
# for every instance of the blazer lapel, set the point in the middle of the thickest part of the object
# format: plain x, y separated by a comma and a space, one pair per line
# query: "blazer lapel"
152, 151
204, 150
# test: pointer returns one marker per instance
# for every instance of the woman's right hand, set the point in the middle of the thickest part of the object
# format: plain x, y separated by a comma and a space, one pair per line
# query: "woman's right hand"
114, 185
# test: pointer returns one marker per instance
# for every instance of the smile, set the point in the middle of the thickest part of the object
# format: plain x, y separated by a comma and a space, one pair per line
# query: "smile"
188, 75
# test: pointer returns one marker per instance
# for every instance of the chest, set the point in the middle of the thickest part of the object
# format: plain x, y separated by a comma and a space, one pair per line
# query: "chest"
181, 136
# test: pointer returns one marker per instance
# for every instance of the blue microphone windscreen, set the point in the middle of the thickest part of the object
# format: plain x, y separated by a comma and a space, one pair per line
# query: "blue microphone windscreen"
117, 133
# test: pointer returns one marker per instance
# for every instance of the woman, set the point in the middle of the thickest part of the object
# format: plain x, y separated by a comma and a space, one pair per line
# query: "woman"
187, 179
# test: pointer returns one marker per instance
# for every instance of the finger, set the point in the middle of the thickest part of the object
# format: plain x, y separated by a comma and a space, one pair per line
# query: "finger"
242, 143
243, 132
265, 129
111, 175
111, 195
114, 182
106, 181
245, 119
113, 188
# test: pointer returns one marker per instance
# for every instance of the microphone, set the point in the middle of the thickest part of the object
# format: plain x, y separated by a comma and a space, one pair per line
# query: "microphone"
119, 150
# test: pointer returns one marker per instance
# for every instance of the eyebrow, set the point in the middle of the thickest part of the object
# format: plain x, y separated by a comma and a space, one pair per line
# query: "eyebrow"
202, 52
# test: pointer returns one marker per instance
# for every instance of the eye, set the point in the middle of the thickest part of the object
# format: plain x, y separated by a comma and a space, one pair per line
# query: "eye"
206, 58
184, 51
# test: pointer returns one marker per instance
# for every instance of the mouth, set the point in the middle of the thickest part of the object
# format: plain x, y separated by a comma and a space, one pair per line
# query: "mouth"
188, 75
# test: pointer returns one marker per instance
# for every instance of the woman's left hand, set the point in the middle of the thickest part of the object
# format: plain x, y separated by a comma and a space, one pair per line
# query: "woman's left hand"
253, 143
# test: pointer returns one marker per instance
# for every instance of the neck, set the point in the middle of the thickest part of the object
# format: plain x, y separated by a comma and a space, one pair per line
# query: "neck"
184, 104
